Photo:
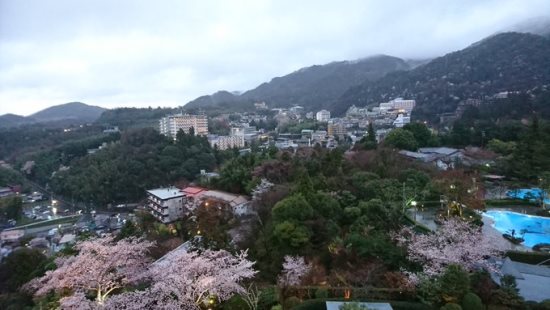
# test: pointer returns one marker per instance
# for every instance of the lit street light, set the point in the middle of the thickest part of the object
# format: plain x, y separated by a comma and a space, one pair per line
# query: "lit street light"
413, 203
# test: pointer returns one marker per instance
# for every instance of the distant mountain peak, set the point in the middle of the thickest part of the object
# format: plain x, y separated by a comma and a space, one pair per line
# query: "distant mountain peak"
312, 87
509, 61
74, 112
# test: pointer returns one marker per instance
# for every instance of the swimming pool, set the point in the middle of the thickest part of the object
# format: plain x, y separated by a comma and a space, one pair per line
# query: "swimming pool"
537, 228
531, 194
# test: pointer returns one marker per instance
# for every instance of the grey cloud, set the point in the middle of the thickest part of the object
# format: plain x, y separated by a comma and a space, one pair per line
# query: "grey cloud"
141, 53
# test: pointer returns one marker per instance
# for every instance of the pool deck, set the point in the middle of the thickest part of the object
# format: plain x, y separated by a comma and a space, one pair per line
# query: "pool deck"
493, 234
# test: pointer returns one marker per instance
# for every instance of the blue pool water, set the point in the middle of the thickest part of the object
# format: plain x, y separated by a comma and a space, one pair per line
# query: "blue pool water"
537, 228
531, 194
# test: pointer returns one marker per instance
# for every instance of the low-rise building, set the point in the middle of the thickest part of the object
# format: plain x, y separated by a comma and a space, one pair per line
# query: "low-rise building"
226, 142
192, 194
166, 204
5, 192
443, 158
239, 204
319, 135
11, 235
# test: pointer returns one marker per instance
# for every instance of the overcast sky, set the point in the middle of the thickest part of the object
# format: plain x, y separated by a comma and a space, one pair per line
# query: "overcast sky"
165, 53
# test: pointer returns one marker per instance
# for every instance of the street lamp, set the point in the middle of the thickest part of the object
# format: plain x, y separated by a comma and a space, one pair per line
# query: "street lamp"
413, 203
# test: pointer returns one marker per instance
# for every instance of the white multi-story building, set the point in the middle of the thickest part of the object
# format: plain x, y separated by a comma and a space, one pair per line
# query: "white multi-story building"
245, 130
227, 142
166, 204
323, 116
170, 125
399, 104
405, 105
401, 121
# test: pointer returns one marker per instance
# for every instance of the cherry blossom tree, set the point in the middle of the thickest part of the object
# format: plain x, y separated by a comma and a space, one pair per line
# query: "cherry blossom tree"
187, 280
101, 267
194, 277
455, 242
294, 270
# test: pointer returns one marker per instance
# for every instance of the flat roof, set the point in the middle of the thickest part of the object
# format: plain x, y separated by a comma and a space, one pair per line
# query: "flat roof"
416, 155
166, 193
438, 150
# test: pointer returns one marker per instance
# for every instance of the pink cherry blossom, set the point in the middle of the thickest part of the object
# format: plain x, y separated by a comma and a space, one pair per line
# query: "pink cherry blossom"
101, 267
294, 270
455, 242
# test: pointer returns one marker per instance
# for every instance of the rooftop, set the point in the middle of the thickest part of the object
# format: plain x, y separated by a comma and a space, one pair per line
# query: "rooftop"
233, 200
533, 281
193, 190
419, 156
166, 193
438, 150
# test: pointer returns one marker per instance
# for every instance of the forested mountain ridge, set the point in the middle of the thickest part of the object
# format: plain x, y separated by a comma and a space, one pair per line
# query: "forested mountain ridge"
312, 87
72, 112
503, 62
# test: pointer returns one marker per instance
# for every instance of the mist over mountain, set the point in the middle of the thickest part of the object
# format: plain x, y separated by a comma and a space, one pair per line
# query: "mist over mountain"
312, 87
539, 25
503, 62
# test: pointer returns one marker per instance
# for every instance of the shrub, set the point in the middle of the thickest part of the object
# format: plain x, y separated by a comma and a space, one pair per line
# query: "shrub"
455, 283
528, 257
277, 307
321, 293
472, 302
268, 298
408, 305
312, 304
292, 302
235, 303
451, 306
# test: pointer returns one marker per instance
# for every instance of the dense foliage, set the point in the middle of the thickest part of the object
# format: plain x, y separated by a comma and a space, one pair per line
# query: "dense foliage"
142, 159
134, 117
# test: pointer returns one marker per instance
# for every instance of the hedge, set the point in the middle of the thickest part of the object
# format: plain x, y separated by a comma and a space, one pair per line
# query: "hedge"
528, 257
509, 202
370, 293
319, 304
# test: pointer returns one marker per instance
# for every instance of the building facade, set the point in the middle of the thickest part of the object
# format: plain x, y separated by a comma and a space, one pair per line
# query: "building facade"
166, 204
170, 125
402, 104
401, 121
336, 129
227, 142
323, 116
